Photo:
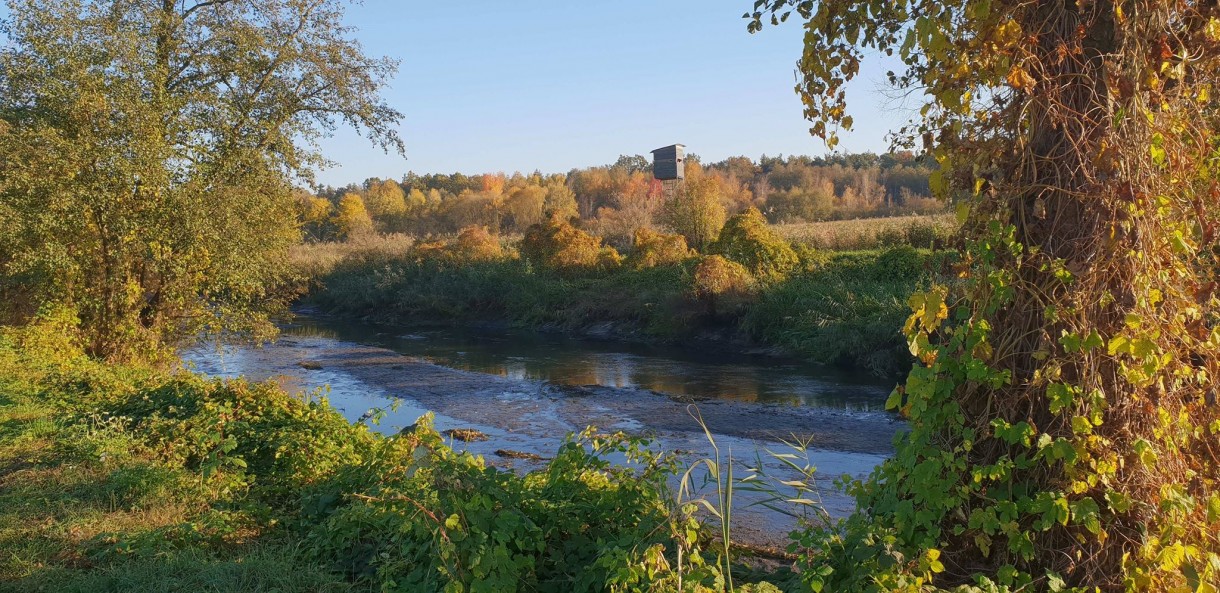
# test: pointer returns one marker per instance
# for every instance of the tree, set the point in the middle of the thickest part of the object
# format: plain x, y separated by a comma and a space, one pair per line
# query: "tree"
525, 206
313, 214
148, 153
559, 198
1063, 415
633, 164
695, 211
352, 218
385, 199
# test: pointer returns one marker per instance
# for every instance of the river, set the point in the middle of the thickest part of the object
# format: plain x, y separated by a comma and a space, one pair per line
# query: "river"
525, 391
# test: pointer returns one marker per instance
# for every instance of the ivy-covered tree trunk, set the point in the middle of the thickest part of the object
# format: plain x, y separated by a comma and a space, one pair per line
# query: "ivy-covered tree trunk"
1065, 429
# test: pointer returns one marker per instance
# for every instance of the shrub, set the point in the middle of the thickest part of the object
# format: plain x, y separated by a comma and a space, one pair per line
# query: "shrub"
721, 285
558, 245
475, 243
658, 249
902, 261
748, 240
433, 250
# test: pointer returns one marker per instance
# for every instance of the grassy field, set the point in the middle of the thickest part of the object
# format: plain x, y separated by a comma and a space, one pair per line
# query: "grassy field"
873, 233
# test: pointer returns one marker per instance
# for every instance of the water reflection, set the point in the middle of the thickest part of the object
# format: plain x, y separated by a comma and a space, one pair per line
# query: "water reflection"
567, 361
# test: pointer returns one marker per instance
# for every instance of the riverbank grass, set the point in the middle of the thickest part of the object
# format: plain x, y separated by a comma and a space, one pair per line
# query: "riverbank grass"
837, 308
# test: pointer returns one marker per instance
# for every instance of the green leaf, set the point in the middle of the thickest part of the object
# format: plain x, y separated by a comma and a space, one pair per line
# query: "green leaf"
894, 401
1085, 512
1061, 396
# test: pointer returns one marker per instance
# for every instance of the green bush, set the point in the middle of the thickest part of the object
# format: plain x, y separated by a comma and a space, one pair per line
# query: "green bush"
902, 261
558, 245
748, 240
847, 310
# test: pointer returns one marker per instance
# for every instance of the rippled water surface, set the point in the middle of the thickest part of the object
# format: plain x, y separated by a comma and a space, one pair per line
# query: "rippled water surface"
681, 371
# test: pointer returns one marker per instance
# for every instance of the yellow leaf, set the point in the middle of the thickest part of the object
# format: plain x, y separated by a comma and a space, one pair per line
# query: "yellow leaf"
1019, 79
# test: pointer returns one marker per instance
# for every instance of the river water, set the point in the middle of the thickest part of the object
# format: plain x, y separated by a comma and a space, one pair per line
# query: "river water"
527, 390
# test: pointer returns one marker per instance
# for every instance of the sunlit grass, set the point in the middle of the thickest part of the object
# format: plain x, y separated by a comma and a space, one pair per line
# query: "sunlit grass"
872, 233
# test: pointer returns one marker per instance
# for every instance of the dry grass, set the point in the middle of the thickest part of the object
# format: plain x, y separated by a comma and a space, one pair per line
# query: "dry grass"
314, 260
872, 233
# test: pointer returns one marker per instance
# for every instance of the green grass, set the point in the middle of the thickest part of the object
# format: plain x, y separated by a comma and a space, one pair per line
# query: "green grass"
849, 312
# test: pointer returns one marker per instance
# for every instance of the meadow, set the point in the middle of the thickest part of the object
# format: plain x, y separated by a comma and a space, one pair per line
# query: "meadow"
921, 231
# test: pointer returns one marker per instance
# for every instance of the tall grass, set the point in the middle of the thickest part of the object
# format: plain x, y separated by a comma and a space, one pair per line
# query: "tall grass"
922, 231
848, 312
314, 260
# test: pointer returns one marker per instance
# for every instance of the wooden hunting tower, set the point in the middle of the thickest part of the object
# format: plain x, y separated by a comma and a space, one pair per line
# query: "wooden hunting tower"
669, 162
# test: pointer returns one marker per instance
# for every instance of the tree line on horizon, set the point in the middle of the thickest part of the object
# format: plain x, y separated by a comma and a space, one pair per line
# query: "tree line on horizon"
618, 199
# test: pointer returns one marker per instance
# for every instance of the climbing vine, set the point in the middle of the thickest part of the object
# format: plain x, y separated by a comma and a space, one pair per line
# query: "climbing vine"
1065, 431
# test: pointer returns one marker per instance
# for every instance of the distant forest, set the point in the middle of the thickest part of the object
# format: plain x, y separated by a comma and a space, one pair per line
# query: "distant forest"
615, 200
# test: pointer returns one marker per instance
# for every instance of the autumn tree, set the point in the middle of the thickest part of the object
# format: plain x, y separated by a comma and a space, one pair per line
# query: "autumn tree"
148, 150
1064, 424
314, 215
385, 199
351, 218
695, 211
524, 206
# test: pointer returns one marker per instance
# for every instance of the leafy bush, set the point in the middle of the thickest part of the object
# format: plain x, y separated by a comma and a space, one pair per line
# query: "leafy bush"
558, 245
654, 249
476, 243
722, 286
899, 262
748, 240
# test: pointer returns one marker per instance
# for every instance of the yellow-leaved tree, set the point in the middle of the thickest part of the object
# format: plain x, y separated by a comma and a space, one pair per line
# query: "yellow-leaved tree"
148, 150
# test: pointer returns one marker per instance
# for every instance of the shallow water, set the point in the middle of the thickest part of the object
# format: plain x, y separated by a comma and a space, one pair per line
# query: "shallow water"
526, 391
688, 372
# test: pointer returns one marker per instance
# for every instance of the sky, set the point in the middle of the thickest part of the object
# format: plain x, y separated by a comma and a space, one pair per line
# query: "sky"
550, 85
489, 86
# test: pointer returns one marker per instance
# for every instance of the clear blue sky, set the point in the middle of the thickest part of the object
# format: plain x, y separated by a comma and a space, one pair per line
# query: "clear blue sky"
489, 85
